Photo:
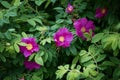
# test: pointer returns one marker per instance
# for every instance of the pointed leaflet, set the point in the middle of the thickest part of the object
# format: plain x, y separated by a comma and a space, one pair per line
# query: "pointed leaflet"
62, 70
16, 48
97, 37
31, 22
38, 59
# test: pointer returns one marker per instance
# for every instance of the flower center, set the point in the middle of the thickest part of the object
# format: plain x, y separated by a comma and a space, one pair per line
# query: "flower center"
61, 39
29, 46
103, 11
83, 29
69, 8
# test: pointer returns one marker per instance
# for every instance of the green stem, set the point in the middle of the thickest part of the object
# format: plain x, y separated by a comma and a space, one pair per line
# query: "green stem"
94, 60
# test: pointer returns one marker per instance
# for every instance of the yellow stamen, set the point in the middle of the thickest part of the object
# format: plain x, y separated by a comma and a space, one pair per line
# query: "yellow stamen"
103, 11
83, 29
61, 39
29, 46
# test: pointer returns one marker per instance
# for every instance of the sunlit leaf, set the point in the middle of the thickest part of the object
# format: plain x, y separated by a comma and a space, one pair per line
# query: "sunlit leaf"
17, 3
60, 73
39, 60
16, 48
73, 75
24, 35
97, 37
39, 2
31, 22
22, 44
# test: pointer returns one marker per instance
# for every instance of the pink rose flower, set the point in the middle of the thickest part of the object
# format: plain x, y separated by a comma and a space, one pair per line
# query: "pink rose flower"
31, 46
63, 37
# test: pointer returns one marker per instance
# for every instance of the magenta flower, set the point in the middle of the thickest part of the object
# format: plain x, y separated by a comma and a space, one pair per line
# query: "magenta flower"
31, 46
63, 37
31, 65
100, 12
69, 8
83, 26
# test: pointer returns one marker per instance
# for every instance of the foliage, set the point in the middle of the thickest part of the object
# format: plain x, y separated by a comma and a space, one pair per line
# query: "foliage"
95, 58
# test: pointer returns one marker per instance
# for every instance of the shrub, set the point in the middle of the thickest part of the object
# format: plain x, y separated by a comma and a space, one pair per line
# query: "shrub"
59, 40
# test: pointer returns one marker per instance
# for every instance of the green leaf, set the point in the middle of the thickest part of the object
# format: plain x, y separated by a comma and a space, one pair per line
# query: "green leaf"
82, 52
85, 58
39, 2
16, 47
89, 68
114, 44
97, 37
38, 20
2, 47
8, 78
92, 66
115, 60
117, 27
82, 6
93, 72
39, 60
73, 75
110, 41
108, 63
119, 43
2, 58
6, 4
17, 3
73, 50
78, 67
34, 77
75, 60
116, 73
89, 14
62, 70
42, 29
50, 56
116, 52
47, 4
22, 44
73, 66
87, 36
59, 21
44, 41
1, 34
99, 76
31, 22
11, 13
45, 57
92, 49
58, 8
41, 53
53, 1
31, 57
8, 35
24, 35
101, 57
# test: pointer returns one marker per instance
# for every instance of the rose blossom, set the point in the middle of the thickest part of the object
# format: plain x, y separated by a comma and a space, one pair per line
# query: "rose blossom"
69, 8
83, 26
100, 12
63, 37
31, 46
31, 65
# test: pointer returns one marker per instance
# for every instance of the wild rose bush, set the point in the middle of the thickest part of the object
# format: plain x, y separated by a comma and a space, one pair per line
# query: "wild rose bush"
59, 40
